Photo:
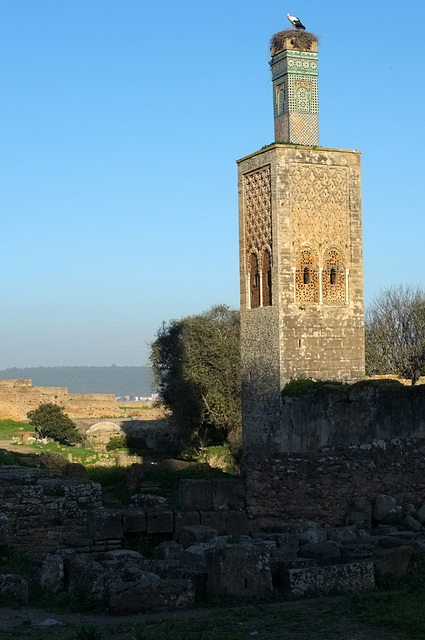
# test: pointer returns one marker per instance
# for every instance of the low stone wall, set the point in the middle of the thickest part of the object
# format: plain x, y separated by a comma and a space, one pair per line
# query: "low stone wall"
46, 512
321, 486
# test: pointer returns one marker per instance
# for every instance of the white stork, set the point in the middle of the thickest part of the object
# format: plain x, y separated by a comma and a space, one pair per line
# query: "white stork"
296, 22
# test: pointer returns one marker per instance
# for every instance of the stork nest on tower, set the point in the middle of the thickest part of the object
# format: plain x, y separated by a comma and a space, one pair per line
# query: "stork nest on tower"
299, 39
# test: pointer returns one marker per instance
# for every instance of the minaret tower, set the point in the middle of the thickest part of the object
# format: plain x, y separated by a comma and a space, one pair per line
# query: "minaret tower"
300, 251
295, 98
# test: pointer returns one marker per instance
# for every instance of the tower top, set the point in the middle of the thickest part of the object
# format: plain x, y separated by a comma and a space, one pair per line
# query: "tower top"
295, 95
291, 39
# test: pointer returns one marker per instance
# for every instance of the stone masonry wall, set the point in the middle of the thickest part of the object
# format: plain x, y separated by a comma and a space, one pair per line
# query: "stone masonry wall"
322, 486
46, 512
352, 414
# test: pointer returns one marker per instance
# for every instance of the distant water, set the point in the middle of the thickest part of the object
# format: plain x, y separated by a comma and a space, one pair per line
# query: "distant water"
121, 381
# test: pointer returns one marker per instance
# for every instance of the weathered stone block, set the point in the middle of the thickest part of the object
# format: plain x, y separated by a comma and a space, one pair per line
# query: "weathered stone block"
188, 536
195, 495
382, 505
50, 573
322, 552
14, 587
149, 502
360, 511
239, 570
198, 577
228, 494
133, 520
159, 521
356, 576
86, 574
226, 522
168, 550
136, 597
4, 530
105, 524
342, 534
185, 519
395, 561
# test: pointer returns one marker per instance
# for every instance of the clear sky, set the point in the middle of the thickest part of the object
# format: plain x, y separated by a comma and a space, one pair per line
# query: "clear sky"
120, 124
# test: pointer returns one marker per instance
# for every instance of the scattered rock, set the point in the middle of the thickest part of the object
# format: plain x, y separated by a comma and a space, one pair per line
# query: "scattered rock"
395, 561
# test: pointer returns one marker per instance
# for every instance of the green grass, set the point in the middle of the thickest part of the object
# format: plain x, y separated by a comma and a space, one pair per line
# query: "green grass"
11, 428
372, 616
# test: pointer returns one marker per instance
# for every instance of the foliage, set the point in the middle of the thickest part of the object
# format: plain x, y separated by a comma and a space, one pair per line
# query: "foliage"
224, 457
299, 386
116, 443
395, 333
50, 421
196, 363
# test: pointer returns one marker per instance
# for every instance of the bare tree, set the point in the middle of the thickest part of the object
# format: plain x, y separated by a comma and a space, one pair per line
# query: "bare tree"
395, 333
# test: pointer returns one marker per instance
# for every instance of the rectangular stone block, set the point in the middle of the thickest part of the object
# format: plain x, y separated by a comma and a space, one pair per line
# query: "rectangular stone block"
239, 570
356, 576
160, 521
104, 524
185, 519
226, 522
134, 520
228, 494
195, 495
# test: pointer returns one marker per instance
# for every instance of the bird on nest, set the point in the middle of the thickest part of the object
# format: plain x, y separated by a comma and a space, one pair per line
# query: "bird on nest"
296, 22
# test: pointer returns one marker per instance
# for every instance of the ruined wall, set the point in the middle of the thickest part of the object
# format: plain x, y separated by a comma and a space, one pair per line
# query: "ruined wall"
17, 397
322, 486
46, 512
352, 414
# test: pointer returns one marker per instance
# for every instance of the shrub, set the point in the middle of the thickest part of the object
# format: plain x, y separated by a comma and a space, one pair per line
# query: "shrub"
50, 421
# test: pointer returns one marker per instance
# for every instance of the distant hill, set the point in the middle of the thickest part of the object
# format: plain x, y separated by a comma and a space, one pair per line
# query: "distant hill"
121, 381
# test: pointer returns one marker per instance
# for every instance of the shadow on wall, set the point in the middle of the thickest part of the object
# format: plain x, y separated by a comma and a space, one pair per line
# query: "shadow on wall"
352, 414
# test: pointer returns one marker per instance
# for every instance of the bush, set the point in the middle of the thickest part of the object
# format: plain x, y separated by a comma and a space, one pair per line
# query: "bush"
196, 363
50, 421
300, 386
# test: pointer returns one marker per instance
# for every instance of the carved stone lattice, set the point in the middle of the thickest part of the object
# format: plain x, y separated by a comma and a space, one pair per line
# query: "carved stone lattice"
333, 278
257, 207
319, 208
307, 277
258, 232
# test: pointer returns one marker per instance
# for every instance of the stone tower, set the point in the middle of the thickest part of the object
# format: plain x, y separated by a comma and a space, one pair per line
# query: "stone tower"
300, 250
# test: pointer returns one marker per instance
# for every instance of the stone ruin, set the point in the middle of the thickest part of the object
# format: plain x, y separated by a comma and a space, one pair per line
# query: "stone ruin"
206, 546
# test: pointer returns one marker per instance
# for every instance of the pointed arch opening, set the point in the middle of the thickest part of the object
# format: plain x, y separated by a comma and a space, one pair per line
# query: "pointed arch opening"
266, 277
254, 281
307, 277
333, 277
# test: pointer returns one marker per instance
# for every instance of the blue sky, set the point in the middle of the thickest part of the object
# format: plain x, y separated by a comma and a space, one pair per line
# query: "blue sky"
120, 124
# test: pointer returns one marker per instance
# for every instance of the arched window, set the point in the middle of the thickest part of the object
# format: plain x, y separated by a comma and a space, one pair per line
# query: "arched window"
333, 277
307, 277
266, 272
254, 281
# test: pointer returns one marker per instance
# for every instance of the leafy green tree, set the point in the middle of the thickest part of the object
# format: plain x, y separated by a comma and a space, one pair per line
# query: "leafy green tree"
196, 363
51, 421
395, 333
